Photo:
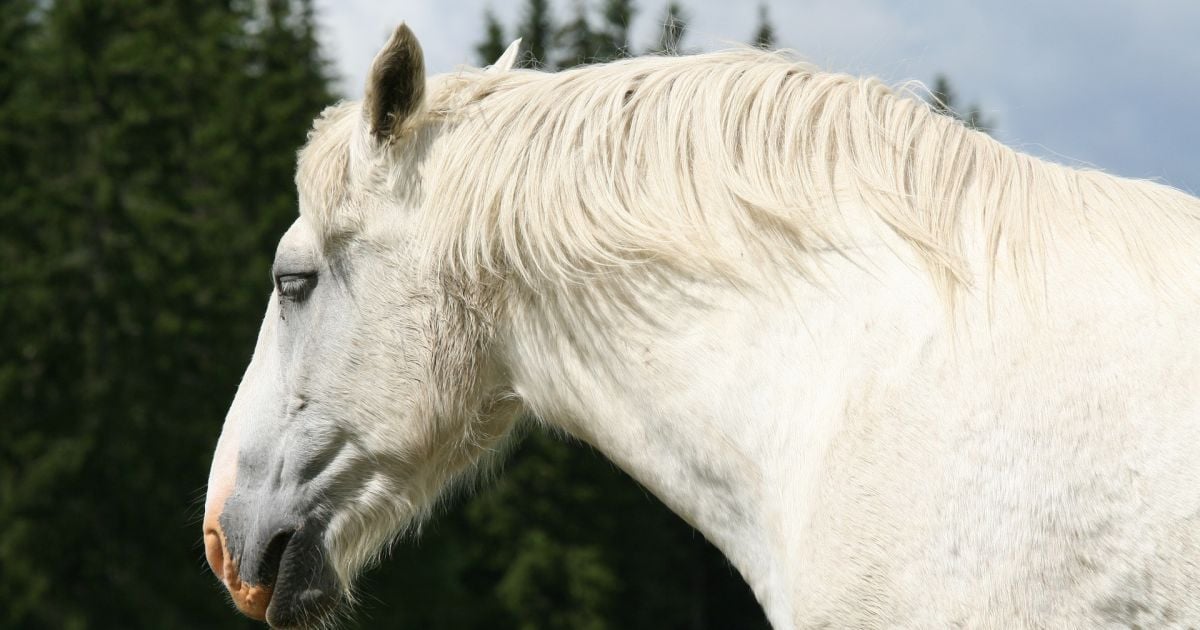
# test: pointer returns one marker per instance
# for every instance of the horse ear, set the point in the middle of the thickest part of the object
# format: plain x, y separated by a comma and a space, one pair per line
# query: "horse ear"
396, 85
508, 59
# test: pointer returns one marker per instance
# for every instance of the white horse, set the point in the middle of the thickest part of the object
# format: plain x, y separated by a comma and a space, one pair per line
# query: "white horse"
900, 374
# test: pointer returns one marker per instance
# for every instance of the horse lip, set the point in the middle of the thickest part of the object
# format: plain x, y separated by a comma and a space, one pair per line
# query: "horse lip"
274, 554
305, 589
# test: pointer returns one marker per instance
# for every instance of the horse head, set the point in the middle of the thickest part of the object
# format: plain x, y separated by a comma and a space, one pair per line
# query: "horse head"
371, 387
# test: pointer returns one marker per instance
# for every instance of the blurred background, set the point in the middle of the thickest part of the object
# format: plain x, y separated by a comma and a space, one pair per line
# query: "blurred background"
146, 160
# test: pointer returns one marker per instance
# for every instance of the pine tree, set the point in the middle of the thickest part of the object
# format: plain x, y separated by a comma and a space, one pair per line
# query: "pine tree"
493, 44
764, 37
674, 26
944, 101
943, 96
31, 461
156, 166
614, 33
537, 33
579, 43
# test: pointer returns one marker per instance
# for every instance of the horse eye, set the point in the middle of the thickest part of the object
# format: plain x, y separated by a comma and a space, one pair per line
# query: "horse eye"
295, 286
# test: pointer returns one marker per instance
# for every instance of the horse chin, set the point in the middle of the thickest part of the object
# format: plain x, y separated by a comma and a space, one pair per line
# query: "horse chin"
306, 591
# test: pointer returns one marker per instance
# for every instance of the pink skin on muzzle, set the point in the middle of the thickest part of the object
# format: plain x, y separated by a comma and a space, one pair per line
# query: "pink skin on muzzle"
251, 600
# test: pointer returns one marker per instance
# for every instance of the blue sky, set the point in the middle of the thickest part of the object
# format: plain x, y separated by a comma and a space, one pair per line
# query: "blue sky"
1110, 84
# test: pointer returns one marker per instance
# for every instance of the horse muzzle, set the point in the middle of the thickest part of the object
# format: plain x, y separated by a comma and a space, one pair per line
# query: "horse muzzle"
275, 569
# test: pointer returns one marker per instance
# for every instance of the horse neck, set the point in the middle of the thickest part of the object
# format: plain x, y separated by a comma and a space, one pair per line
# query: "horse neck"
716, 399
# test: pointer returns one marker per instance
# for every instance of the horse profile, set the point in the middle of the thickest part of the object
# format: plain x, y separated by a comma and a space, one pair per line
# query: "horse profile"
900, 374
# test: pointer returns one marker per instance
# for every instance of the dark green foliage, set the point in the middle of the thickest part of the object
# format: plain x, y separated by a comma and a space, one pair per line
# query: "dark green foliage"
493, 44
580, 44
945, 101
614, 33
537, 33
764, 36
148, 155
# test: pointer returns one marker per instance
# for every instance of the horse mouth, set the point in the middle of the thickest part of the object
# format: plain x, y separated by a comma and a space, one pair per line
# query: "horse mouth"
306, 590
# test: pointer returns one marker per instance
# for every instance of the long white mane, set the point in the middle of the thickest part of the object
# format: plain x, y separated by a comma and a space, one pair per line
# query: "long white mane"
691, 161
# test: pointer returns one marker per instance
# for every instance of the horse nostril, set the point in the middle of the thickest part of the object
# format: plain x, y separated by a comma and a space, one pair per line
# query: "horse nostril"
214, 552
273, 556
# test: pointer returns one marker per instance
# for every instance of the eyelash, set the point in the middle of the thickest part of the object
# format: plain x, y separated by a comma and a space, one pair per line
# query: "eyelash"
295, 287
